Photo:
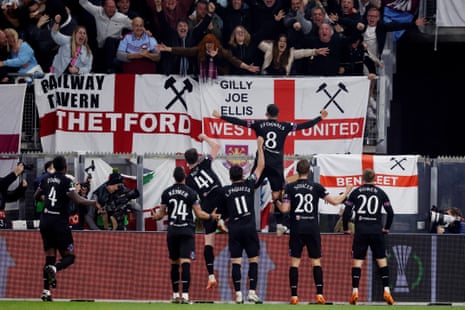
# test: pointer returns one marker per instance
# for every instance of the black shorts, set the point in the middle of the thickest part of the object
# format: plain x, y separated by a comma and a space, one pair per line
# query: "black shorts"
363, 241
244, 241
210, 226
208, 204
56, 233
312, 242
180, 246
275, 176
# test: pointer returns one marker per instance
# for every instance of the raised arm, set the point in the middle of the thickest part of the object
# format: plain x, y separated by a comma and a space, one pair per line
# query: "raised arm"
57, 36
214, 145
261, 158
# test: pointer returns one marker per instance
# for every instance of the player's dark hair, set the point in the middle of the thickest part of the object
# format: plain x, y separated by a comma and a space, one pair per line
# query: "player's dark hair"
272, 110
368, 175
59, 163
191, 156
179, 174
48, 164
303, 167
235, 173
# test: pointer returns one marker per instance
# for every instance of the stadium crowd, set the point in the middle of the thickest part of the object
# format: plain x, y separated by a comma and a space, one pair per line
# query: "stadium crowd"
270, 37
201, 38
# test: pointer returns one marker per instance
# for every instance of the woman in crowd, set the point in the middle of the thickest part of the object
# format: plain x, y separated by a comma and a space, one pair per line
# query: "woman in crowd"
212, 58
74, 55
21, 55
279, 58
242, 47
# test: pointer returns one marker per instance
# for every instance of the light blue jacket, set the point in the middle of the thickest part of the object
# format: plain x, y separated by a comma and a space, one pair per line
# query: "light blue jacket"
24, 56
63, 57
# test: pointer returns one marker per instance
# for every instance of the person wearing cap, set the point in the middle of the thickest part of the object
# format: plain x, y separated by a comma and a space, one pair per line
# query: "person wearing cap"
274, 133
103, 196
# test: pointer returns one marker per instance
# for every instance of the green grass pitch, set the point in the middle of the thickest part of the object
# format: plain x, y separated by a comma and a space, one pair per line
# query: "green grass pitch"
102, 305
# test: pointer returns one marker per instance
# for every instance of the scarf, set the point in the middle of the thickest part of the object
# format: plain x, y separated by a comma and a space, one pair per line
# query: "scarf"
208, 70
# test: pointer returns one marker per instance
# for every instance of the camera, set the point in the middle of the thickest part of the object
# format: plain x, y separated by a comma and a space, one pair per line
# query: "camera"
92, 168
120, 205
120, 200
441, 217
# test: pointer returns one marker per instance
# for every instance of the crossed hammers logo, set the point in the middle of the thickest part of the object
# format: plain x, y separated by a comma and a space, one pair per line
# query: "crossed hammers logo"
398, 162
332, 98
169, 83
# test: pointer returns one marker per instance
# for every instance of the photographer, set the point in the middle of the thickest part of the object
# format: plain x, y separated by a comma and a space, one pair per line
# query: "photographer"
114, 201
10, 196
452, 222
103, 195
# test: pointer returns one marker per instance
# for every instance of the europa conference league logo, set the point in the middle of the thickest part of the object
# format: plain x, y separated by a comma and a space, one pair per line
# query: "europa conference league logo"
402, 254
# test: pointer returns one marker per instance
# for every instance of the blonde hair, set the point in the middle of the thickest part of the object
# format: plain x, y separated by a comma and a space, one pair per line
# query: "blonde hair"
232, 39
11, 31
73, 41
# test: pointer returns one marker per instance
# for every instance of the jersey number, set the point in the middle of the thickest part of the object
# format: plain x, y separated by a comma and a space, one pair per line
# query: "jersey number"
203, 180
305, 204
52, 196
179, 209
270, 140
369, 205
241, 205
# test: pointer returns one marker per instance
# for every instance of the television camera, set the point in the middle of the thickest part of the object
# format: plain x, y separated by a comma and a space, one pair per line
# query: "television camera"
120, 204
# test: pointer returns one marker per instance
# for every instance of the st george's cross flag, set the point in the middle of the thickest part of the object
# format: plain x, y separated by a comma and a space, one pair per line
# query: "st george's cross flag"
121, 113
299, 100
165, 114
396, 175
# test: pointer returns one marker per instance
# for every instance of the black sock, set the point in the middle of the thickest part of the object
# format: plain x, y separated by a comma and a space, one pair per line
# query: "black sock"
318, 278
185, 276
384, 273
293, 280
253, 274
209, 258
49, 260
236, 276
356, 273
175, 277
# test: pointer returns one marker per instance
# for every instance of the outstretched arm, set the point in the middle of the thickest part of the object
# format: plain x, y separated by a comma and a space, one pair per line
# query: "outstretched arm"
230, 119
336, 200
81, 200
214, 145
312, 122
